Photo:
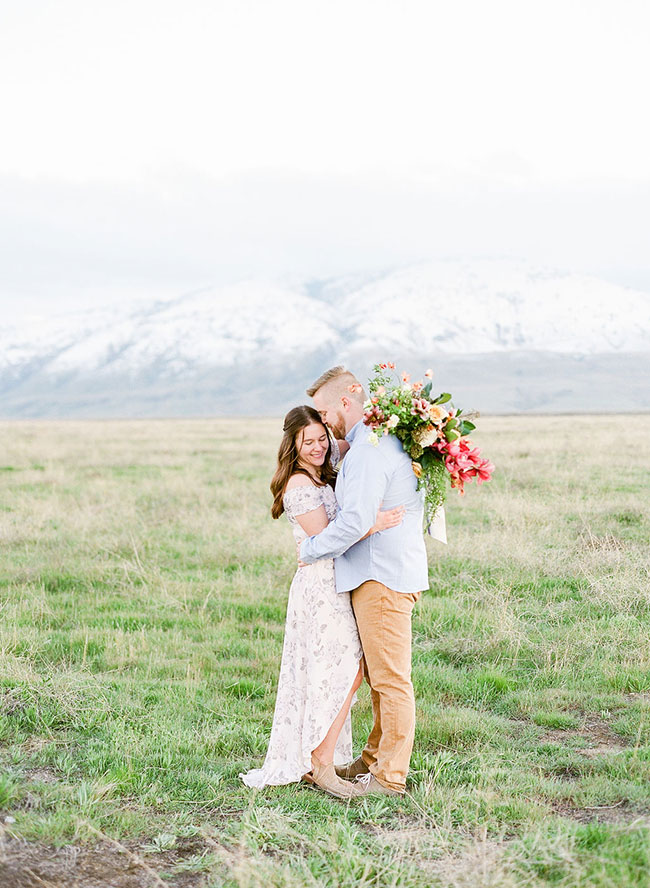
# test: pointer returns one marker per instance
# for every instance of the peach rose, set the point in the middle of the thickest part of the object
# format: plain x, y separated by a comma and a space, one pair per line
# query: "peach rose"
437, 413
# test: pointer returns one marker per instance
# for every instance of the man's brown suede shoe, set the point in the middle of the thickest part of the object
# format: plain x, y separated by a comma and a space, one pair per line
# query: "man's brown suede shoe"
354, 769
369, 785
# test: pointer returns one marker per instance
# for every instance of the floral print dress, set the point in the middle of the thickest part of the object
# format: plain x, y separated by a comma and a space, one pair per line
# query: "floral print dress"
320, 659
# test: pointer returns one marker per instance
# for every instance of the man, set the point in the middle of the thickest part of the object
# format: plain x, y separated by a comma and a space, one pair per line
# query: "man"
385, 574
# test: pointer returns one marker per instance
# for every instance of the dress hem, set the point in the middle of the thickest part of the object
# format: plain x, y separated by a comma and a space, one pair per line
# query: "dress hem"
284, 781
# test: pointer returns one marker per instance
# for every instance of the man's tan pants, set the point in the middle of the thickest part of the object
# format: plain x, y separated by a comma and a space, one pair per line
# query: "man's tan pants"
384, 620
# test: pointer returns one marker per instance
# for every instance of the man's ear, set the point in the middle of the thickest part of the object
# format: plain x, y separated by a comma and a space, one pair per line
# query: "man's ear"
345, 402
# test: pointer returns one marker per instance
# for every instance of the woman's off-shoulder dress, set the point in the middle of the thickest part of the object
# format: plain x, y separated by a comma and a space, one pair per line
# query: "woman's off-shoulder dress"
320, 659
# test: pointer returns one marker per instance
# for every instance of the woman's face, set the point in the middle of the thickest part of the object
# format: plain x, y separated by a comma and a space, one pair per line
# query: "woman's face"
312, 444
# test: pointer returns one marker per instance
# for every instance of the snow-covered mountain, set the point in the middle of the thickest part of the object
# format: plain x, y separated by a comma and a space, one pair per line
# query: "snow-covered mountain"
496, 330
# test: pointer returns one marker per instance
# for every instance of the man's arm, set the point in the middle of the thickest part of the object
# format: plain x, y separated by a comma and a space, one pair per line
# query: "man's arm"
366, 478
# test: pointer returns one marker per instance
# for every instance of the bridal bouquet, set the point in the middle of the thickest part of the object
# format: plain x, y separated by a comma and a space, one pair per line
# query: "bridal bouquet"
434, 435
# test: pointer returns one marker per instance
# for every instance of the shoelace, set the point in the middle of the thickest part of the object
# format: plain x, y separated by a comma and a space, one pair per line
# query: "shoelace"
364, 779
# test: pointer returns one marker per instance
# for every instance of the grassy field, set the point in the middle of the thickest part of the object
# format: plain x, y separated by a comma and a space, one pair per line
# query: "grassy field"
143, 587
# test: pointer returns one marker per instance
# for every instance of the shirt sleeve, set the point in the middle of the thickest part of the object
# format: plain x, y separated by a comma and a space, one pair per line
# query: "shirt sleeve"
367, 474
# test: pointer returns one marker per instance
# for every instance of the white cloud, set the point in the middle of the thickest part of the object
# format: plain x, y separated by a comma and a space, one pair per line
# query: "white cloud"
150, 144
96, 90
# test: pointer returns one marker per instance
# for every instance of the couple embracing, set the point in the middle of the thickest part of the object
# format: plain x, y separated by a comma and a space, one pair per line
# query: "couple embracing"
362, 566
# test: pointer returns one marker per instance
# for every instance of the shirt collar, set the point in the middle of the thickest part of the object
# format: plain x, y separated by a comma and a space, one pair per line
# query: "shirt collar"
354, 431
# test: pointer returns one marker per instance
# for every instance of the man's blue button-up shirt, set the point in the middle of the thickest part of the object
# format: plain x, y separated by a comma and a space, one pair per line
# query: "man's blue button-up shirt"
369, 476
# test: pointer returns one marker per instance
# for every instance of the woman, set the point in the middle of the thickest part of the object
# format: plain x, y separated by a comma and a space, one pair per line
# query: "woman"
321, 658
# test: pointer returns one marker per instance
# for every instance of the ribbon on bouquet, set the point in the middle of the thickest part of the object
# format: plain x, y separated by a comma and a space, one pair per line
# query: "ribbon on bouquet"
437, 528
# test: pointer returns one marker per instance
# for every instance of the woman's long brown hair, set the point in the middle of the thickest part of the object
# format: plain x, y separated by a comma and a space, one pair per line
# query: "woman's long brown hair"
297, 419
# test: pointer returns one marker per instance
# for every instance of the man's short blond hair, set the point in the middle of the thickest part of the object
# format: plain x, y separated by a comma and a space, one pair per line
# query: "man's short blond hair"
339, 382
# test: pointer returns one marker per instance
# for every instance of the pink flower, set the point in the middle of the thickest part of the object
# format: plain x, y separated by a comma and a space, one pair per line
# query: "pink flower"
462, 459
420, 408
406, 377
374, 416
484, 471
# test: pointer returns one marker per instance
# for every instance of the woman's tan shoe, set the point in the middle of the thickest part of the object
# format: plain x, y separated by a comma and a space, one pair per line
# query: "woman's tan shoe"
325, 777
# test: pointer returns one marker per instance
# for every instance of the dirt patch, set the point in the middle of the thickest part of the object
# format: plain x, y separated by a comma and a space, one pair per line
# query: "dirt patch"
410, 839
620, 812
32, 865
41, 775
599, 735
474, 866
33, 745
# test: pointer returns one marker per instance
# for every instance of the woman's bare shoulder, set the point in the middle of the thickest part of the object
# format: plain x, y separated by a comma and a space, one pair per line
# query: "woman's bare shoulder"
299, 480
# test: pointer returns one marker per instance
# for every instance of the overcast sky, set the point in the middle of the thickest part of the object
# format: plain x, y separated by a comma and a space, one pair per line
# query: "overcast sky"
152, 147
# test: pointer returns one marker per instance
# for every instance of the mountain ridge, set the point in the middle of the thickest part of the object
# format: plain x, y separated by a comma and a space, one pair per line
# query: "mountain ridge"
443, 314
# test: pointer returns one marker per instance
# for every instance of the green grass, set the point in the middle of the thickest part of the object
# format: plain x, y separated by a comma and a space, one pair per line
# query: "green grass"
143, 587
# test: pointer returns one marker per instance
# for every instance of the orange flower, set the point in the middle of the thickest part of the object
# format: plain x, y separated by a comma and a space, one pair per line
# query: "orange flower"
429, 373
406, 377
355, 387
391, 365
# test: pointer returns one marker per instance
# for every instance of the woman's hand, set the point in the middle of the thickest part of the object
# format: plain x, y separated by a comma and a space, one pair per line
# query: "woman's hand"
387, 519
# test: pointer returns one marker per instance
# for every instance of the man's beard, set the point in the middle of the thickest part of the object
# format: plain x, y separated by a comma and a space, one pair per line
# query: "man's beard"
337, 427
